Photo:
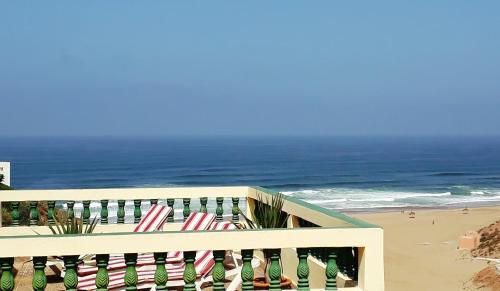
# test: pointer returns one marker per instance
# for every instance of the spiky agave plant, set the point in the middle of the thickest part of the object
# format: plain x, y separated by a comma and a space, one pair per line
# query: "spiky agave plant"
73, 226
268, 213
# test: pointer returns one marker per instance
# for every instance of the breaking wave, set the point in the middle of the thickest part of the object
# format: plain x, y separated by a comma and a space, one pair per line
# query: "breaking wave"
346, 198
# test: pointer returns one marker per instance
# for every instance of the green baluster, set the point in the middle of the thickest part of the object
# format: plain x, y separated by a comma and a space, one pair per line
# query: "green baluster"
131, 277
236, 209
303, 269
51, 205
219, 211
70, 277
86, 211
275, 269
104, 211
331, 270
219, 273
186, 211
137, 211
189, 271
15, 213
153, 201
39, 279
121, 211
247, 270
102, 276
7, 279
34, 213
203, 202
170, 203
71, 211
161, 276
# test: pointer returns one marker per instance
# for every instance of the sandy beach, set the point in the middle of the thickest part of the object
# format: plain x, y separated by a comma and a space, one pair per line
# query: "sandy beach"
421, 253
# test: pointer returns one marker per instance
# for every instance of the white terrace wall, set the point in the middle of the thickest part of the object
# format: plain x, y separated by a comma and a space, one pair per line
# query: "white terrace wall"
5, 170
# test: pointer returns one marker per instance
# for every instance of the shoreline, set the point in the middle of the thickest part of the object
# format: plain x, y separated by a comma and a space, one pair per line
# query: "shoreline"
355, 211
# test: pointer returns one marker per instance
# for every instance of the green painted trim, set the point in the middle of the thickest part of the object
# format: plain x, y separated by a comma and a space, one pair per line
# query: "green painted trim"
353, 221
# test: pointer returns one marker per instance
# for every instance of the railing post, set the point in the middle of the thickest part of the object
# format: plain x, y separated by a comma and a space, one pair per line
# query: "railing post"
219, 211
236, 209
189, 271
161, 275
121, 212
275, 270
104, 211
33, 212
86, 211
51, 212
170, 203
137, 211
70, 277
153, 201
71, 211
247, 270
303, 269
7, 279
15, 213
102, 276
187, 210
218, 272
131, 279
203, 202
39, 281
331, 270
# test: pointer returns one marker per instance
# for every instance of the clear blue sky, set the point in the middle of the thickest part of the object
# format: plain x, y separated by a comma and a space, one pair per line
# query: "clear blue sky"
250, 67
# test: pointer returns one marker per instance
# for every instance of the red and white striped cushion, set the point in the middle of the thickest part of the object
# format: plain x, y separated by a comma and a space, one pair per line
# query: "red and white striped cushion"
224, 225
198, 221
154, 219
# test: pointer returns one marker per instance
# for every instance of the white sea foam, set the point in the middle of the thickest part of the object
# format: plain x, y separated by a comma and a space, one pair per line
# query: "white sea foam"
348, 198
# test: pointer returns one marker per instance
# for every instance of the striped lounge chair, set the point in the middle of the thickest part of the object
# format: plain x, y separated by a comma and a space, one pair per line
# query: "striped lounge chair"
146, 268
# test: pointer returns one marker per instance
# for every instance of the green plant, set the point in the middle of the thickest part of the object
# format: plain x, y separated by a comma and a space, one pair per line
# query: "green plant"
268, 213
73, 226
70, 226
2, 185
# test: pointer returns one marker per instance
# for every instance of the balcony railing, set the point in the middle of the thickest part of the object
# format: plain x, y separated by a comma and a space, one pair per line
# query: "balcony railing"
320, 249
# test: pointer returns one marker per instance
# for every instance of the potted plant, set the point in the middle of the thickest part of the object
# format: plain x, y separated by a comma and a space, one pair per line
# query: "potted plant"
268, 214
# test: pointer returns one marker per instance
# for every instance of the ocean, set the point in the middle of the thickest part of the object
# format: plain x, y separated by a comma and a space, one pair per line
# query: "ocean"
345, 173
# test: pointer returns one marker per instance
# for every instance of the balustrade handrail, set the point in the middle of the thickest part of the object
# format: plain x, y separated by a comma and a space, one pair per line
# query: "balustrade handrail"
123, 193
130, 242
